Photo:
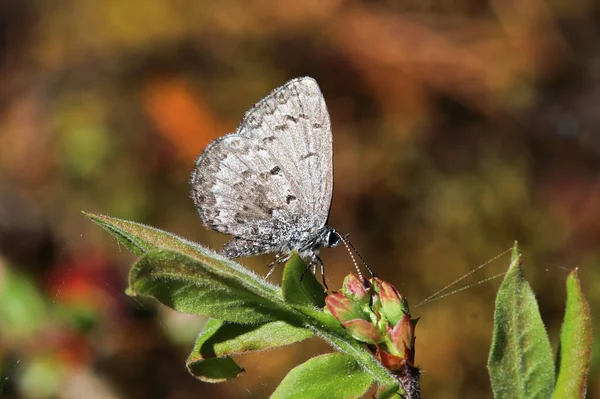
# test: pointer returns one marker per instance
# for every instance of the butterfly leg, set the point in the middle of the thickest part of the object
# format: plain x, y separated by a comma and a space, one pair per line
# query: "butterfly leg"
281, 258
320, 261
309, 265
315, 259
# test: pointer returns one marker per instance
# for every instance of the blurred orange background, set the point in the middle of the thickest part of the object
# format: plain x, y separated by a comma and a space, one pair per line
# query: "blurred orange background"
458, 127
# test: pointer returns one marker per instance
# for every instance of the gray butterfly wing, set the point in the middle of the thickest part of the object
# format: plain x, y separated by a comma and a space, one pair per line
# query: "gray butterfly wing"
272, 179
293, 125
239, 190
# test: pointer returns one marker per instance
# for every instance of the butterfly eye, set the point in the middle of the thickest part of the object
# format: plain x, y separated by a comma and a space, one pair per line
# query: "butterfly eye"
332, 238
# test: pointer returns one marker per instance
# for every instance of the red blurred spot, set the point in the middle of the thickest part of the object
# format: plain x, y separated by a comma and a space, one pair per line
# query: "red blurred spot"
86, 281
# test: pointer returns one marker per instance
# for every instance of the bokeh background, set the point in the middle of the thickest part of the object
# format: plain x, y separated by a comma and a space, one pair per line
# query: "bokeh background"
459, 126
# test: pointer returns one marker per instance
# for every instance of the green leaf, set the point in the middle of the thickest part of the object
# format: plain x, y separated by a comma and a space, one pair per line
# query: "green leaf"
140, 239
520, 361
193, 279
388, 391
191, 286
210, 361
332, 376
575, 350
206, 363
299, 286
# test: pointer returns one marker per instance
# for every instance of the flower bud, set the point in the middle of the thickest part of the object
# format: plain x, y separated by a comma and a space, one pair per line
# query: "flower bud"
403, 338
342, 308
375, 313
393, 304
391, 362
363, 331
355, 289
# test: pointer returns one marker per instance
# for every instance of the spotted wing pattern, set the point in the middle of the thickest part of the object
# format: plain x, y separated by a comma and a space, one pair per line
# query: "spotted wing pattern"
271, 181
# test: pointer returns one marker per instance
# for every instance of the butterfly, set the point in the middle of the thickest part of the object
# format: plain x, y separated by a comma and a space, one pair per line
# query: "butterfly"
269, 184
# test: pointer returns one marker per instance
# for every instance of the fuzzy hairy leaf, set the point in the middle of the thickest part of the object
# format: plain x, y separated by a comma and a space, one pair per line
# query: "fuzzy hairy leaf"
299, 286
388, 391
210, 359
139, 239
573, 364
196, 280
332, 376
520, 361
190, 286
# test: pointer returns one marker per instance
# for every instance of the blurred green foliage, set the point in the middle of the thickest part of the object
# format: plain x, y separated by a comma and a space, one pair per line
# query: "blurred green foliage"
459, 127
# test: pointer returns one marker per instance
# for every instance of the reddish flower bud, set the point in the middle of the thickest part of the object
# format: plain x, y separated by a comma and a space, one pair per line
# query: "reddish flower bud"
391, 362
375, 313
403, 338
393, 304
363, 331
354, 289
342, 308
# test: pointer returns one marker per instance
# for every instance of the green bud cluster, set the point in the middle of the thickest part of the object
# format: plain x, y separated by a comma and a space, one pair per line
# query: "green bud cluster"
375, 313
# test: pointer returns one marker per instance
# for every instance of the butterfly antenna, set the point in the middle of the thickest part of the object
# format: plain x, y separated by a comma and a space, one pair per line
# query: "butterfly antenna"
359, 255
485, 280
360, 275
433, 296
